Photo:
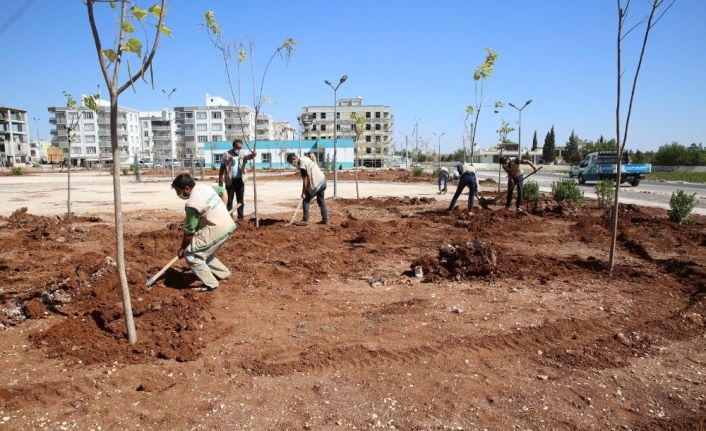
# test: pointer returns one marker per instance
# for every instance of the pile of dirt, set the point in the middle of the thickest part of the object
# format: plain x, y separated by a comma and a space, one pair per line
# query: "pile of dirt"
168, 327
460, 261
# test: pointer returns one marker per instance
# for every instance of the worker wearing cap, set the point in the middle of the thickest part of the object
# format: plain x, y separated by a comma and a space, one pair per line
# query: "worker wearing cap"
207, 226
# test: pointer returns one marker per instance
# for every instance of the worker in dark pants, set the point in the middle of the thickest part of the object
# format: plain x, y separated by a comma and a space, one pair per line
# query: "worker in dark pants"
468, 179
513, 168
232, 173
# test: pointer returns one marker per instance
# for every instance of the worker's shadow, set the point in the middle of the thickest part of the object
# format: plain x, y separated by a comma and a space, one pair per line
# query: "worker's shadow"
179, 278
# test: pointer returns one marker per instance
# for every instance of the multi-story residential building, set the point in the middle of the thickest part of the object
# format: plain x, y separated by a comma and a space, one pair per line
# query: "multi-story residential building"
216, 121
376, 145
265, 127
158, 136
284, 131
14, 136
90, 133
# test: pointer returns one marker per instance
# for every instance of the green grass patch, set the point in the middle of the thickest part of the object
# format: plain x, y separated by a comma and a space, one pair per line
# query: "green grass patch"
690, 177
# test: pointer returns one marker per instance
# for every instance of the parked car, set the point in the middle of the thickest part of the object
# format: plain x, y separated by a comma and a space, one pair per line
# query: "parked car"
573, 171
146, 164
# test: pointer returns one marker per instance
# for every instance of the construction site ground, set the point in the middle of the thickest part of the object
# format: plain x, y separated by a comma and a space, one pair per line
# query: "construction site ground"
396, 315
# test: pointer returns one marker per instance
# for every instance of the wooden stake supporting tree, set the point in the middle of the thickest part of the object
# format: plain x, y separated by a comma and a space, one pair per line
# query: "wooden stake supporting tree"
657, 9
129, 14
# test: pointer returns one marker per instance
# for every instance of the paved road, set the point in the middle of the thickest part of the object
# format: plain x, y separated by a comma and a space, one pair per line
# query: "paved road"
650, 193
92, 193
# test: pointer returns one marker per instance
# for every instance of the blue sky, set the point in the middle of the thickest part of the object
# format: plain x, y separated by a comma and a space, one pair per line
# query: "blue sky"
416, 57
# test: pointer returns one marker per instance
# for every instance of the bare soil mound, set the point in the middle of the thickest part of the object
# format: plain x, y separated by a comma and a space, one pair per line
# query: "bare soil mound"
396, 314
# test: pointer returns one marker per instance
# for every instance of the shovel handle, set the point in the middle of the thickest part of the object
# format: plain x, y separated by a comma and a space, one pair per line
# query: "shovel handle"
295, 212
152, 280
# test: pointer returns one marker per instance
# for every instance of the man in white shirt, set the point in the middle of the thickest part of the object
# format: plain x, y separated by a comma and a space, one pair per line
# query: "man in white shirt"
232, 173
313, 185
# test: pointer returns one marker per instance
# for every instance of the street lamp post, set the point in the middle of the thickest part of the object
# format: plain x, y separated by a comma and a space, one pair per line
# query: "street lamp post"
335, 123
519, 129
439, 145
39, 145
169, 114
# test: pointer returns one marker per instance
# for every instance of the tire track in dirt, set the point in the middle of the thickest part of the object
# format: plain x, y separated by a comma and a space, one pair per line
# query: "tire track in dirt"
365, 355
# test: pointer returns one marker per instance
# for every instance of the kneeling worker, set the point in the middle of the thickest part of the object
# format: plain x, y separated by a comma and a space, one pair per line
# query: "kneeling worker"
207, 226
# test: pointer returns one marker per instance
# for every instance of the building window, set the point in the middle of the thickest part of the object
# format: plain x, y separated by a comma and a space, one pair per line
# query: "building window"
377, 115
216, 115
323, 116
367, 139
87, 115
89, 139
338, 127
313, 127
367, 126
216, 127
266, 157
202, 138
89, 127
201, 115
75, 150
90, 150
377, 139
313, 115
367, 115
145, 124
147, 134
338, 115
202, 127
377, 127
323, 127
368, 150
216, 138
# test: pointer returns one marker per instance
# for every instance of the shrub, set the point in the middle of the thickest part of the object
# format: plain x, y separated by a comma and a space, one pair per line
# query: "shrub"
16, 170
125, 171
681, 205
605, 191
567, 190
530, 191
417, 172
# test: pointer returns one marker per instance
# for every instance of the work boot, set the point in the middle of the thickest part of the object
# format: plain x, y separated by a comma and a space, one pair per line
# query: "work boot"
301, 223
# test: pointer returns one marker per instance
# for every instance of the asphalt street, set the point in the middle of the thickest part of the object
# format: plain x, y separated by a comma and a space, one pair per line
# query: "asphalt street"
650, 193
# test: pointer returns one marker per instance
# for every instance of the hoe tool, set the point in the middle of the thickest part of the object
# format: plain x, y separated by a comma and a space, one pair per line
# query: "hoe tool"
152, 280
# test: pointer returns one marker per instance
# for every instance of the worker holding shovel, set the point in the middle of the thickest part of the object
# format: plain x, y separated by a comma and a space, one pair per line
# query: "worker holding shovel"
207, 226
468, 179
513, 168
313, 185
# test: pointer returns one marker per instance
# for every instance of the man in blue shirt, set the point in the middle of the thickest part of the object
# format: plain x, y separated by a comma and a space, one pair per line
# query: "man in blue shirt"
232, 173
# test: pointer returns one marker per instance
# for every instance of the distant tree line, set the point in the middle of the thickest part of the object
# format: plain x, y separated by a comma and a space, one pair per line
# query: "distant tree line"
673, 154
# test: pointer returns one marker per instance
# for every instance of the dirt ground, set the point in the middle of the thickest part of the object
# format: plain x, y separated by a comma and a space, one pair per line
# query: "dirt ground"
395, 316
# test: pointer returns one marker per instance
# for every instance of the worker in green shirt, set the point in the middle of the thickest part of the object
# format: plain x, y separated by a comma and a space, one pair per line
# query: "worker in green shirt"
207, 226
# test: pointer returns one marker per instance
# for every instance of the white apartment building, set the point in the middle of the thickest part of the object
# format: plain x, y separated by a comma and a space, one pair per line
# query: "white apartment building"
284, 131
90, 133
158, 136
376, 146
14, 136
214, 122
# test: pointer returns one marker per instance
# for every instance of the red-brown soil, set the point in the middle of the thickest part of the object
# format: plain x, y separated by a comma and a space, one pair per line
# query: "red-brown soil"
512, 322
